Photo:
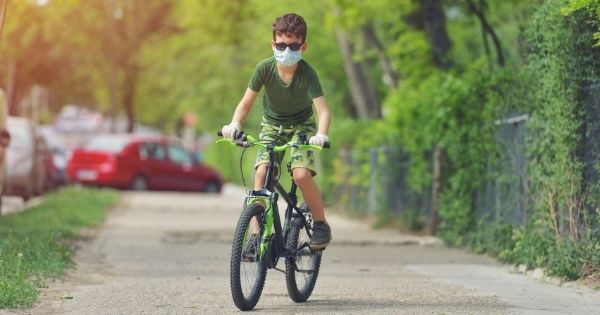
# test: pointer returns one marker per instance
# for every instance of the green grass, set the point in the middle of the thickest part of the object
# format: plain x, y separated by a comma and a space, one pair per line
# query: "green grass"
34, 245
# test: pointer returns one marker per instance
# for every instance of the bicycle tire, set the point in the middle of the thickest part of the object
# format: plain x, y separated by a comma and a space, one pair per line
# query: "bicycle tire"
300, 291
246, 301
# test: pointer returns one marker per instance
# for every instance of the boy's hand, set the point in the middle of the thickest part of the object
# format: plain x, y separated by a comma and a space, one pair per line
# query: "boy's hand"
318, 139
229, 131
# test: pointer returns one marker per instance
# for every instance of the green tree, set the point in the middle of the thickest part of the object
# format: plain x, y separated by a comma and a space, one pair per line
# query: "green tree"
592, 8
112, 34
21, 61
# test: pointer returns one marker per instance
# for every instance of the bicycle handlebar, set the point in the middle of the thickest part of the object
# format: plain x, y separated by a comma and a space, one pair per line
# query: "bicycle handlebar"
245, 140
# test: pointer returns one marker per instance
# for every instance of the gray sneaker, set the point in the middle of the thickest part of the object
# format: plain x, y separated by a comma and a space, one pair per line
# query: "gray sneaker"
321, 236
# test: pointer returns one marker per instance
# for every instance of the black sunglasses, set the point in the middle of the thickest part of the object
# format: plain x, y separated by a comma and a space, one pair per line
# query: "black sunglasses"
283, 46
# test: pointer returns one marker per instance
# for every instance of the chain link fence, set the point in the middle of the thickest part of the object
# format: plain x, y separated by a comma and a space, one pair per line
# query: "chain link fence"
589, 152
505, 196
375, 179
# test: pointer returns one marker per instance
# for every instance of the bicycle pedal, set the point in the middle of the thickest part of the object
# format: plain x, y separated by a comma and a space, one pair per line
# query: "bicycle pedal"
249, 258
305, 251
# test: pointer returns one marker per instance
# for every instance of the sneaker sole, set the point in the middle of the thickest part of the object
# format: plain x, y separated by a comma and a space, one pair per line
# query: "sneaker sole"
318, 246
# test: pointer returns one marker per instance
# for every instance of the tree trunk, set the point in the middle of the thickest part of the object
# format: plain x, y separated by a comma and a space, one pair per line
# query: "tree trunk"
435, 191
11, 89
129, 85
112, 92
434, 21
487, 29
363, 94
390, 75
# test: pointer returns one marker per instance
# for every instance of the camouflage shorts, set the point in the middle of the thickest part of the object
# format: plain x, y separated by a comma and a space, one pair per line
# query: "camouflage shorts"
280, 135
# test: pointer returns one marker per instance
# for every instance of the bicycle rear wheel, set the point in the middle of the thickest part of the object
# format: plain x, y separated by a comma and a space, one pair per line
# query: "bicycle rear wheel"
302, 270
248, 270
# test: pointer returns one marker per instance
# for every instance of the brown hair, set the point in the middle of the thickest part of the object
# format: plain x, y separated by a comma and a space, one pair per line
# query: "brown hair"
290, 24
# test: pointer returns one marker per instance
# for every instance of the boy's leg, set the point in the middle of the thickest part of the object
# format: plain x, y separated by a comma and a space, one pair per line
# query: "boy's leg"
259, 180
268, 134
321, 230
303, 170
310, 192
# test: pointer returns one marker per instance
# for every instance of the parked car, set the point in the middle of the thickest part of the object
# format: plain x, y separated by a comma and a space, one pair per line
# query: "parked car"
76, 119
25, 163
59, 152
141, 162
47, 180
4, 142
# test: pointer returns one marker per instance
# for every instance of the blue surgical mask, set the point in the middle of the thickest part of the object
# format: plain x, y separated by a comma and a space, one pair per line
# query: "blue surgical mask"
287, 57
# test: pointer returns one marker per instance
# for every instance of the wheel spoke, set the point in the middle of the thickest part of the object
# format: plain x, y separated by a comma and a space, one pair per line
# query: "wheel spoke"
250, 265
301, 271
303, 261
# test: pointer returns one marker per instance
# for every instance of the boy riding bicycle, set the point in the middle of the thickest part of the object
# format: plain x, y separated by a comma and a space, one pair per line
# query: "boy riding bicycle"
291, 89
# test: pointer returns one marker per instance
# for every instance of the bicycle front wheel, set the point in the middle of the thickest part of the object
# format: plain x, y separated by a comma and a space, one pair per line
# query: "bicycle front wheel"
302, 270
248, 270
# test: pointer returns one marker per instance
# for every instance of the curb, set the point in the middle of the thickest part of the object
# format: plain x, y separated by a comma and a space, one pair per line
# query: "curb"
541, 275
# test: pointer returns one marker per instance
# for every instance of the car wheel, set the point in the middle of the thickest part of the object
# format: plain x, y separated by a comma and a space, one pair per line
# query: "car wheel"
139, 183
28, 193
212, 186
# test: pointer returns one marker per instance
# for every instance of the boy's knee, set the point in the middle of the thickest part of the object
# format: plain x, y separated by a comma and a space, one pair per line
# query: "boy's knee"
302, 176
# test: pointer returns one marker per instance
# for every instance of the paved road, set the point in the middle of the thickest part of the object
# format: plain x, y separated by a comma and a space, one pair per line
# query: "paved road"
168, 253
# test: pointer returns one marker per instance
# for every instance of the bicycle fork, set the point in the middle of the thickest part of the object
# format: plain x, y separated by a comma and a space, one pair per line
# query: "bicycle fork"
271, 246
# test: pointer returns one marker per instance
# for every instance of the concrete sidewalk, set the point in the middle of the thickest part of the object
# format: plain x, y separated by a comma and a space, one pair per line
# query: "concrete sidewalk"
169, 253
14, 204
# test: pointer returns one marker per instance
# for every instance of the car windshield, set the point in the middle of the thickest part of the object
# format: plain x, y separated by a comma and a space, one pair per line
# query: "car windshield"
107, 143
54, 141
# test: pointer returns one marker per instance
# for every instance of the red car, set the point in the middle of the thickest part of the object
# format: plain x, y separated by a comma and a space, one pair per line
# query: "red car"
140, 162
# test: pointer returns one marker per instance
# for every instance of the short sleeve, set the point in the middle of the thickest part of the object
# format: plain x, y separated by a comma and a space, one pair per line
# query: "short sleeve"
258, 78
313, 85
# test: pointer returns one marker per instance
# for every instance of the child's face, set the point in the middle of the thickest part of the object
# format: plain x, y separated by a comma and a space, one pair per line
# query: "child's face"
283, 41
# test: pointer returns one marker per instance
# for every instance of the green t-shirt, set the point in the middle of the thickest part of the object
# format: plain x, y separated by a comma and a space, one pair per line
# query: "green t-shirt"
286, 104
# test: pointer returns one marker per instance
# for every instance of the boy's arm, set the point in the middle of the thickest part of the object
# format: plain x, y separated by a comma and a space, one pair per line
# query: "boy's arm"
324, 120
240, 114
243, 108
323, 114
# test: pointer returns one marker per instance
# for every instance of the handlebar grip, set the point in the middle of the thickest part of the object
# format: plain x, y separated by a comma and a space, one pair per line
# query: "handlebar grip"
240, 135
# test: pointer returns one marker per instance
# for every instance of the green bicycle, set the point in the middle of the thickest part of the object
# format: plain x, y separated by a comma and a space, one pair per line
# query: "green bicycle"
259, 239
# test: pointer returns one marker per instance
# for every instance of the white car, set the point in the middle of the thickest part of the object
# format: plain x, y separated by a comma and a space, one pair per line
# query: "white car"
25, 165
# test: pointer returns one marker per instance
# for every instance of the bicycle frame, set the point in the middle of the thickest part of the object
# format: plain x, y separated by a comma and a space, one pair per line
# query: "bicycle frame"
270, 193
